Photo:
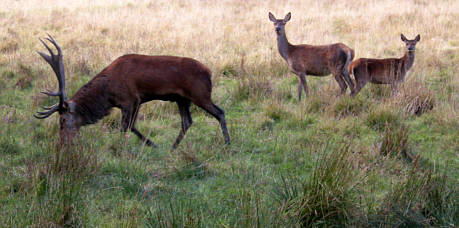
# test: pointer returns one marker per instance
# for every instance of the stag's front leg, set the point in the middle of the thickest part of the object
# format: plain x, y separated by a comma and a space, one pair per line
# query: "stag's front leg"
129, 117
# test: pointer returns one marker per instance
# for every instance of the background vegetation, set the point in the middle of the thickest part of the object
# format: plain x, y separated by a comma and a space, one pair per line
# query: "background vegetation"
328, 160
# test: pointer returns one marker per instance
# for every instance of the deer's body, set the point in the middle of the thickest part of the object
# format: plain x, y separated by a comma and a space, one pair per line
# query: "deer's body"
315, 60
132, 80
383, 71
144, 78
320, 60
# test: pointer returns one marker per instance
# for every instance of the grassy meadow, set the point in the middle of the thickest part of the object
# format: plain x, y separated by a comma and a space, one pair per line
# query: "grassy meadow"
375, 160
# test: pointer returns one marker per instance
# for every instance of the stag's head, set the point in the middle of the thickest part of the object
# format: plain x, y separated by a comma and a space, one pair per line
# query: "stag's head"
411, 44
69, 120
279, 25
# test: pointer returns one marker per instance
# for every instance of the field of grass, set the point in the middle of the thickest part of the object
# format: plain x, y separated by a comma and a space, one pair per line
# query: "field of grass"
375, 160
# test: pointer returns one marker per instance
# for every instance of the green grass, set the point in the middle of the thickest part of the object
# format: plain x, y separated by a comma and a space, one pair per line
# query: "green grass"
285, 166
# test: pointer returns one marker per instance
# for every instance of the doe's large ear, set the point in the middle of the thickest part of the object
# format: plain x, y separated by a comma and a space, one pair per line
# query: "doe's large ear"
287, 17
403, 38
418, 38
271, 17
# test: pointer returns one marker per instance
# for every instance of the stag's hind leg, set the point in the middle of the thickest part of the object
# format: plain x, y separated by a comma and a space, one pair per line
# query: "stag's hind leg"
129, 117
219, 114
185, 114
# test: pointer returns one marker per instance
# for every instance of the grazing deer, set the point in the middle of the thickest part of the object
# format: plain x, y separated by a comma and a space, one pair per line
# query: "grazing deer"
313, 60
383, 71
128, 82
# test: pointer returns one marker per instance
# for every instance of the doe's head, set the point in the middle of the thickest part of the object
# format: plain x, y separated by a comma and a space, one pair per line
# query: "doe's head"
69, 120
279, 24
410, 44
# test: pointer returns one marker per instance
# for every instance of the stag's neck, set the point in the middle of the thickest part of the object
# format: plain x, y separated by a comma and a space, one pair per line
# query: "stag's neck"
92, 101
408, 59
283, 45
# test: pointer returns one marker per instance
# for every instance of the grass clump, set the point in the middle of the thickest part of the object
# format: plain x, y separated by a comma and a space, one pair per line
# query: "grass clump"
189, 166
327, 196
275, 111
347, 105
424, 198
59, 187
380, 118
178, 213
395, 142
416, 101
249, 87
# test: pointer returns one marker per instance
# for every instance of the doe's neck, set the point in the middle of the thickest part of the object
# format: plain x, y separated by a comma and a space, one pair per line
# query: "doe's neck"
283, 45
408, 58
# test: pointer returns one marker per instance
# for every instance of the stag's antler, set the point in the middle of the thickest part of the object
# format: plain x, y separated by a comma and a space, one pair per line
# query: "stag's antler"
58, 67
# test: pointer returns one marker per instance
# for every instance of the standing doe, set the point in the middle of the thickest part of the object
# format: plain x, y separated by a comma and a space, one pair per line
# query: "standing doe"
313, 60
128, 82
384, 71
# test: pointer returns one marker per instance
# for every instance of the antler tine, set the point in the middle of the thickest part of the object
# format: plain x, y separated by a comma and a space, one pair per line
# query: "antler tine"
58, 67
47, 47
50, 93
48, 108
51, 110
53, 41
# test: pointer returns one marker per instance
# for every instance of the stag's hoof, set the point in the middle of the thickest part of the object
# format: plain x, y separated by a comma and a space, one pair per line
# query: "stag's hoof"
150, 143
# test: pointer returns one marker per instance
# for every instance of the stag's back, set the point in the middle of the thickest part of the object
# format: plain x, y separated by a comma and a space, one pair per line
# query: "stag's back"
152, 77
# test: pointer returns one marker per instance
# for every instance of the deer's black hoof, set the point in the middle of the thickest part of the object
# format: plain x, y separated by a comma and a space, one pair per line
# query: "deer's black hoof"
150, 143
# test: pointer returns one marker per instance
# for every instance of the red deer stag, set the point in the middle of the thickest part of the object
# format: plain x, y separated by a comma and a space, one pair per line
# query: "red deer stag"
128, 82
383, 71
313, 60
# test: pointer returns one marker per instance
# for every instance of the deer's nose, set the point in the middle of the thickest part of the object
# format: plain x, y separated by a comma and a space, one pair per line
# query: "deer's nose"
278, 29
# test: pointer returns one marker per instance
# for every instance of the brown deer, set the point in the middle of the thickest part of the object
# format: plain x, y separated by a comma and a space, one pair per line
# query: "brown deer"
383, 71
128, 82
313, 60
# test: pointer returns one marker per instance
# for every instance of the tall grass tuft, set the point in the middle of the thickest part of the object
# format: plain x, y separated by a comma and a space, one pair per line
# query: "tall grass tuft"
59, 187
424, 198
327, 196
349, 106
395, 142
188, 166
250, 85
416, 99
380, 118
178, 212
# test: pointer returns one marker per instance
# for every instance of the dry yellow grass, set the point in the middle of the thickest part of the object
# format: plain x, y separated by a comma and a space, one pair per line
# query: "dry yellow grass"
95, 32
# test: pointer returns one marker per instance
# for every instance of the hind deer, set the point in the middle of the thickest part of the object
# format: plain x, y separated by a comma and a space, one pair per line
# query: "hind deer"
384, 71
315, 60
128, 82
